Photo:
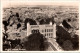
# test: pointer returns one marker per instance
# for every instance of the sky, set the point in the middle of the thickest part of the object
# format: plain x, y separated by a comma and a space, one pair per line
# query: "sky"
14, 3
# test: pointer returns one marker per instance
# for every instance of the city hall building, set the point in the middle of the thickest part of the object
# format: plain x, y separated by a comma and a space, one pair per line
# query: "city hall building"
49, 31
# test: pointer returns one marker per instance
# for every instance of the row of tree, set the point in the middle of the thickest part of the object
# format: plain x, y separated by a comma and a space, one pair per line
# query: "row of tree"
65, 40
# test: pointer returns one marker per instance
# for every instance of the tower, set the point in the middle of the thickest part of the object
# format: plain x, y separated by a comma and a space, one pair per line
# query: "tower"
50, 23
28, 29
54, 31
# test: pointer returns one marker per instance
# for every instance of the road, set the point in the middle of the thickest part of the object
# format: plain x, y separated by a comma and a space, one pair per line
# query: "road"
54, 45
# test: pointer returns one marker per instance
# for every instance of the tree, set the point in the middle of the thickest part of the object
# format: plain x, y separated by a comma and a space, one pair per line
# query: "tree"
65, 40
5, 23
31, 21
75, 41
36, 42
67, 45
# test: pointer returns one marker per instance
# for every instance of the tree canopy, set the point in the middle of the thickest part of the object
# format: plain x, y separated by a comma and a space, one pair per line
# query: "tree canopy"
36, 42
65, 40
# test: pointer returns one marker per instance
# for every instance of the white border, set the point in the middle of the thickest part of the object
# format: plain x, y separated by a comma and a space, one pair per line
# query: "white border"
36, 1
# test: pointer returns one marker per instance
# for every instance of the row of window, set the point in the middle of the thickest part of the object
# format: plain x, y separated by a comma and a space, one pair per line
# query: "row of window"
48, 30
35, 31
49, 34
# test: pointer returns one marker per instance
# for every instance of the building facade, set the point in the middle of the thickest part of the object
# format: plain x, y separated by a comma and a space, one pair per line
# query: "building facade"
49, 31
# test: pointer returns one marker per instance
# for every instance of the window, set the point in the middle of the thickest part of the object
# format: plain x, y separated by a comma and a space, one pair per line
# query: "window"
48, 30
50, 37
51, 30
33, 31
51, 34
42, 31
45, 34
38, 31
45, 30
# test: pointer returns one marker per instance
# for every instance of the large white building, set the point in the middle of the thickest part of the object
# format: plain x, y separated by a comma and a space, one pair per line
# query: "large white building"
49, 31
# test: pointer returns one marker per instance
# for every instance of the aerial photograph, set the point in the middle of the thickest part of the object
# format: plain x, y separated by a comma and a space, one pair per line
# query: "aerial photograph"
40, 28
